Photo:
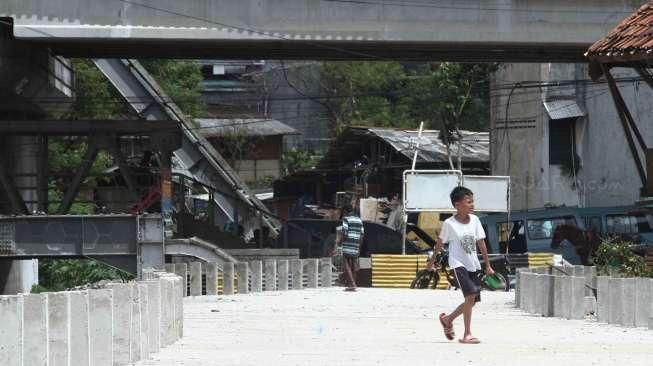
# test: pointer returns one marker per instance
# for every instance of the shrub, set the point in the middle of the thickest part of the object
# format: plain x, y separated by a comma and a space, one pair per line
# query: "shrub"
615, 257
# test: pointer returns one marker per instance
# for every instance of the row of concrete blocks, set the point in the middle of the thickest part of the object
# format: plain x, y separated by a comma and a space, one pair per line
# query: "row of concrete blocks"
269, 275
621, 301
118, 325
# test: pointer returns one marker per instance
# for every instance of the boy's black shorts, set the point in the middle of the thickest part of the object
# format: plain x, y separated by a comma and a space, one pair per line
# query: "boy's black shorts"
469, 282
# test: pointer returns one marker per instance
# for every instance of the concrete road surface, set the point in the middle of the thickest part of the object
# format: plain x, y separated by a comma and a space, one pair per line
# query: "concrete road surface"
389, 327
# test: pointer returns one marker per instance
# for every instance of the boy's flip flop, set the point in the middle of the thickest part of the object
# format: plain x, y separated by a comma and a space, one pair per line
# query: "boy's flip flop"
472, 340
448, 330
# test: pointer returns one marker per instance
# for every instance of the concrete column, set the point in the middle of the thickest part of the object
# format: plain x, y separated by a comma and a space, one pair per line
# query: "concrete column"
79, 329
227, 278
524, 291
121, 322
643, 301
311, 266
519, 287
560, 271
135, 328
628, 303
196, 279
282, 274
297, 271
100, 323
211, 270
530, 281
325, 272
546, 289
578, 271
577, 298
242, 270
145, 320
270, 275
589, 305
58, 328
11, 313
257, 275
154, 310
169, 267
181, 270
566, 297
603, 299
616, 301
35, 335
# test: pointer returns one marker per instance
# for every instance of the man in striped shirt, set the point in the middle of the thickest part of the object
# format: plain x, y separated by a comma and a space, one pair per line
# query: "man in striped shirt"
351, 239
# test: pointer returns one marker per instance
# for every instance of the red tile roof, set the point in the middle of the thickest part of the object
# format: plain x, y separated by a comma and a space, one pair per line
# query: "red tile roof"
631, 40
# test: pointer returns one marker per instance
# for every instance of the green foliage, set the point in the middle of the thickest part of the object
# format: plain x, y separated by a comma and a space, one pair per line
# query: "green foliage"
95, 97
390, 94
297, 160
615, 257
62, 274
181, 81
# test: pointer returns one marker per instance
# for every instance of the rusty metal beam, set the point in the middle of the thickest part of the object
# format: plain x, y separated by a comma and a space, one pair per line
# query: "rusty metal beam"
82, 172
624, 115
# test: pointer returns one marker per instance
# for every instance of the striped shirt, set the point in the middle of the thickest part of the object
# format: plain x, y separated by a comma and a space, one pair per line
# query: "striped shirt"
352, 231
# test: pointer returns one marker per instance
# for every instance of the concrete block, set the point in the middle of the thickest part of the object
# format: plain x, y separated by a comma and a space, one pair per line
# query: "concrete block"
135, 327
546, 290
121, 322
256, 268
270, 275
297, 272
566, 297
79, 329
211, 273
616, 302
58, 321
526, 282
517, 288
531, 292
35, 334
590, 281
181, 270
242, 270
143, 296
100, 325
179, 310
578, 271
11, 313
560, 271
643, 301
557, 296
169, 267
577, 297
196, 279
326, 272
282, 274
538, 304
311, 266
154, 311
603, 299
628, 303
228, 277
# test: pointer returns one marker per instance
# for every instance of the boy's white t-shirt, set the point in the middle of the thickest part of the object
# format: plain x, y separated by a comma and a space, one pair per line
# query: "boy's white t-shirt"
462, 240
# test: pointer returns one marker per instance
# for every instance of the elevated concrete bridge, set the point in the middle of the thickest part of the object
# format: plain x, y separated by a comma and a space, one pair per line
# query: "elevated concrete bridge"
470, 30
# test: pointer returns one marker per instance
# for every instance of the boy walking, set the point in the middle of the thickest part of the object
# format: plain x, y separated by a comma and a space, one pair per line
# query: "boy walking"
352, 237
463, 232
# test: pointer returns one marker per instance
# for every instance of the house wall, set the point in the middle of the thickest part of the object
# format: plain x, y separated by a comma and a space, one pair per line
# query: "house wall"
608, 176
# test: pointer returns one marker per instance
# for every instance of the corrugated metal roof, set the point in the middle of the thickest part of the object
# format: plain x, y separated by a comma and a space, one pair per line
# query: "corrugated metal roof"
212, 127
561, 109
475, 146
631, 39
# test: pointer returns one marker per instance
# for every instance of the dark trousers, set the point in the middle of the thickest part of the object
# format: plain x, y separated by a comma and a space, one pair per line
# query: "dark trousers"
351, 269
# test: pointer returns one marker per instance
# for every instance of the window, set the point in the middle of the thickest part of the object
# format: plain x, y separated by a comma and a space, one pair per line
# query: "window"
517, 237
593, 223
544, 228
630, 224
561, 140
